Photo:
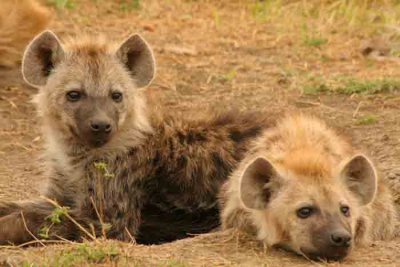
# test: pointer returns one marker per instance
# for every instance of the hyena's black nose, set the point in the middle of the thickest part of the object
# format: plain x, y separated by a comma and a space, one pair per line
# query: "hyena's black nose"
100, 127
340, 238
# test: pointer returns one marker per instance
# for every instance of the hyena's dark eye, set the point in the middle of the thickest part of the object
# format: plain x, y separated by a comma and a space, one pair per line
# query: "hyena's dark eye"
73, 96
345, 210
305, 212
116, 96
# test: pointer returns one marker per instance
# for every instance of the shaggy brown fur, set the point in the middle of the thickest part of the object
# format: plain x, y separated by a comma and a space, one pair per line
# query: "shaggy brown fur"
304, 188
150, 176
20, 20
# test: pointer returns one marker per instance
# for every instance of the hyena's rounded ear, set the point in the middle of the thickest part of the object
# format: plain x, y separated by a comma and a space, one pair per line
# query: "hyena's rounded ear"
360, 177
256, 184
40, 58
138, 58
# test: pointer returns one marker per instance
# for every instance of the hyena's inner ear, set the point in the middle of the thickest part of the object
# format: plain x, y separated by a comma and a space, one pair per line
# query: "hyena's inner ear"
138, 58
361, 178
257, 183
40, 57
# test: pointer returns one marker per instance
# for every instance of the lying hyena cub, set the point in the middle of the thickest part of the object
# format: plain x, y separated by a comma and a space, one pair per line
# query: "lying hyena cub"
305, 189
154, 178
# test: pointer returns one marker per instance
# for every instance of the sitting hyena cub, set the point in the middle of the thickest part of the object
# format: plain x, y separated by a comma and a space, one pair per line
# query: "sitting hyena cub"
305, 189
118, 167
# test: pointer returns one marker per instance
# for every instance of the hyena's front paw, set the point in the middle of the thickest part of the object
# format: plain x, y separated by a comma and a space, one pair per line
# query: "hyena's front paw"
12, 229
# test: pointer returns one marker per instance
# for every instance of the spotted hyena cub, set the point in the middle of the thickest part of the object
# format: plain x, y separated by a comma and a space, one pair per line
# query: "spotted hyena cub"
305, 189
119, 168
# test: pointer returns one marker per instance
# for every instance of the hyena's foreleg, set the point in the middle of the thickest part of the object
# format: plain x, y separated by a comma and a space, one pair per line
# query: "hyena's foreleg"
21, 222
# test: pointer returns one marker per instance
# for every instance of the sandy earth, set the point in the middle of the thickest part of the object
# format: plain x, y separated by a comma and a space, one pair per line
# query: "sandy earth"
209, 54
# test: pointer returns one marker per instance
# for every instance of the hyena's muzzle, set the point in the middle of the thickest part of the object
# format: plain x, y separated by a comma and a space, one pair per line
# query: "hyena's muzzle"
332, 241
97, 121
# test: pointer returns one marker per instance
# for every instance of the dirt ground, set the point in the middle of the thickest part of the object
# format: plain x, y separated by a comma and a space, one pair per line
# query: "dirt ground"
216, 53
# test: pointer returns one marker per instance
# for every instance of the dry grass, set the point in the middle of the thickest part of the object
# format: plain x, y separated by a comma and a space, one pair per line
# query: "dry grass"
274, 55
218, 249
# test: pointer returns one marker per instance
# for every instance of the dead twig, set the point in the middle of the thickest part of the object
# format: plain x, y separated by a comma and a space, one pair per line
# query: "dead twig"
103, 230
357, 109
29, 231
133, 240
43, 241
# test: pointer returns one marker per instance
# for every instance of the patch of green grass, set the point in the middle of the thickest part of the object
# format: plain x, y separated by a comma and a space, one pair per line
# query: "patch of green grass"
128, 5
349, 16
314, 41
85, 255
259, 10
61, 4
262, 10
313, 89
367, 119
26, 263
173, 263
349, 85
353, 86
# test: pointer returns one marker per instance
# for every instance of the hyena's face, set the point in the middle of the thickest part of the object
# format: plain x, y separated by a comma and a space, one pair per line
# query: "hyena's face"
88, 89
314, 217
315, 220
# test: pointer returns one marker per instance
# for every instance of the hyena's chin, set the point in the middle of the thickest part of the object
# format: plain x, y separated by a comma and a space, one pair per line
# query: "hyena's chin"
326, 254
97, 141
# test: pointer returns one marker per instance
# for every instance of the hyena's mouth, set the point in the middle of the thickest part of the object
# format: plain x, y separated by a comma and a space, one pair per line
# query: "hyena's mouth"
97, 142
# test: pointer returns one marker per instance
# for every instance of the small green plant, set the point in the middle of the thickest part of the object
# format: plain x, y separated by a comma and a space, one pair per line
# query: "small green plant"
100, 165
62, 4
57, 213
54, 218
311, 38
217, 18
44, 231
367, 119
229, 76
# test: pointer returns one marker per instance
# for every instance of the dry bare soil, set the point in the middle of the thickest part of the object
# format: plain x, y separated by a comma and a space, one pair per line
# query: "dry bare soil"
244, 54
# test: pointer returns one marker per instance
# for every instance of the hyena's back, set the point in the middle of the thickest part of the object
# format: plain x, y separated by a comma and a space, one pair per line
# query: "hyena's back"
192, 159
